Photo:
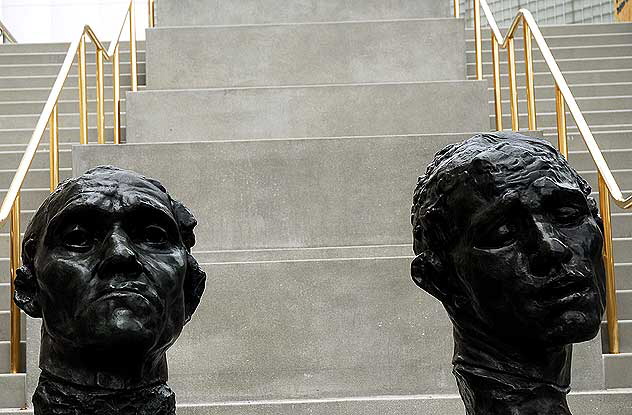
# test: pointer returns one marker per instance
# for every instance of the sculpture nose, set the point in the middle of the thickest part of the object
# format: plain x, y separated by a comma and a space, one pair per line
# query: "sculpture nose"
119, 255
549, 251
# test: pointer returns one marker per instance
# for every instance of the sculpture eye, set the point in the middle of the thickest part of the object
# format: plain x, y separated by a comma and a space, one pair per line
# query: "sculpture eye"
155, 235
568, 215
497, 237
78, 239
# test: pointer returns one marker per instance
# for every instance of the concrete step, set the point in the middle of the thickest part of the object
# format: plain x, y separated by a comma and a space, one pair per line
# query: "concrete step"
547, 90
5, 326
623, 272
42, 81
10, 159
596, 76
617, 159
617, 369
306, 54
625, 336
585, 104
622, 176
612, 62
56, 47
12, 390
22, 121
66, 135
30, 200
42, 93
321, 111
571, 29
201, 13
37, 177
22, 58
63, 106
607, 140
25, 218
565, 52
624, 304
593, 118
566, 40
53, 69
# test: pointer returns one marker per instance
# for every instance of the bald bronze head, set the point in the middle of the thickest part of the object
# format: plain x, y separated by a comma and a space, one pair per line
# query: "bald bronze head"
107, 265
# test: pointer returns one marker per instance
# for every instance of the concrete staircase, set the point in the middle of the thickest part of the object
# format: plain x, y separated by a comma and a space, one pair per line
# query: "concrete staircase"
296, 131
597, 63
27, 73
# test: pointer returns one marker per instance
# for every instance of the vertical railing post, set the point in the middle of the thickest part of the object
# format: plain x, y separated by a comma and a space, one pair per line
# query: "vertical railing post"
100, 98
83, 91
498, 103
608, 258
151, 7
513, 88
528, 61
116, 95
132, 46
477, 39
53, 126
13, 266
560, 112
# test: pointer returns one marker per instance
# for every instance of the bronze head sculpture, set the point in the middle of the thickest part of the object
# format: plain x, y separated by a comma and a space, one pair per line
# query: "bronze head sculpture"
508, 239
107, 265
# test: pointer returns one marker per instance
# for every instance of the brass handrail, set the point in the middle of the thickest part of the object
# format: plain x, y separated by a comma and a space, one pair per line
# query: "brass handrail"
6, 35
11, 203
608, 186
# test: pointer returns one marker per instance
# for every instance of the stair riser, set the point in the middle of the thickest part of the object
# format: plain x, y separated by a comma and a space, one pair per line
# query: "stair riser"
604, 51
36, 178
588, 77
41, 94
5, 326
625, 337
66, 135
547, 91
203, 13
41, 160
65, 120
572, 29
25, 219
623, 273
58, 58
565, 41
541, 105
624, 179
276, 55
57, 47
53, 70
64, 107
623, 253
606, 141
617, 160
618, 373
307, 112
573, 65
30, 200
71, 81
550, 120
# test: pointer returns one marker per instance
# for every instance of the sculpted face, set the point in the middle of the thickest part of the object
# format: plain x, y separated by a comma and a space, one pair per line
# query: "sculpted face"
111, 267
509, 241
530, 262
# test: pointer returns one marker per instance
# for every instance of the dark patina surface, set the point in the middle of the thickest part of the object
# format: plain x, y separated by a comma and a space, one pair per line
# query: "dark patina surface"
508, 239
107, 265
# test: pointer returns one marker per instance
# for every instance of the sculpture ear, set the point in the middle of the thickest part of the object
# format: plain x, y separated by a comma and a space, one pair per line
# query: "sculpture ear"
428, 273
194, 284
26, 295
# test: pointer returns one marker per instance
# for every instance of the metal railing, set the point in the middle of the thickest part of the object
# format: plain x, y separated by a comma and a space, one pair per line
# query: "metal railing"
608, 187
49, 117
7, 37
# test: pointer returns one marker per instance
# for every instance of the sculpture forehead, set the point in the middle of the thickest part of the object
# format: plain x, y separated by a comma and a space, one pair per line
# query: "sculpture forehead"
113, 191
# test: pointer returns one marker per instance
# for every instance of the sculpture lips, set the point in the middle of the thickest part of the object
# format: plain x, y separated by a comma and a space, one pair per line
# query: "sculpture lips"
133, 287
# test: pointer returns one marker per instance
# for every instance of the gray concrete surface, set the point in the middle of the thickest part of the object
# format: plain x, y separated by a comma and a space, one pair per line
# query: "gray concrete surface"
286, 193
343, 110
305, 54
203, 12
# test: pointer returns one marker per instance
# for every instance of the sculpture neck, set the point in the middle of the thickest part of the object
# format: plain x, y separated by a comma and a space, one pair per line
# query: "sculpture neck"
498, 378
112, 371
56, 397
